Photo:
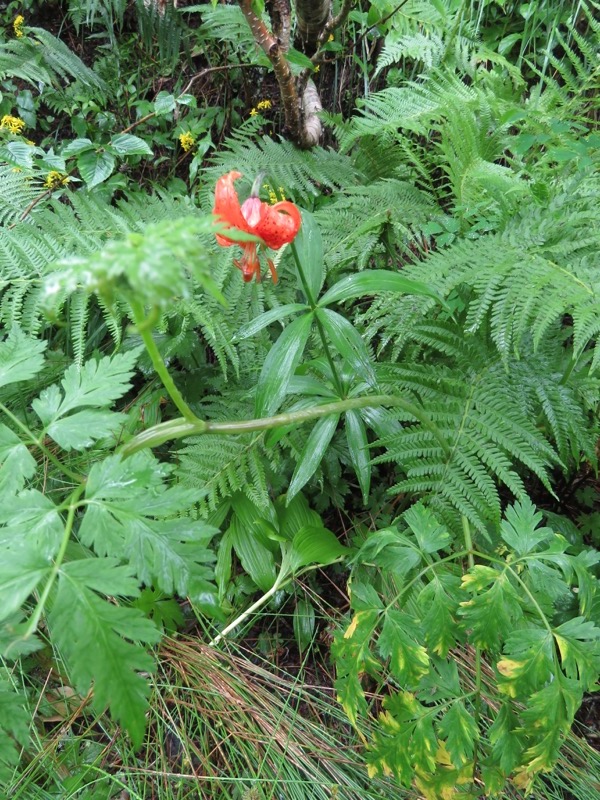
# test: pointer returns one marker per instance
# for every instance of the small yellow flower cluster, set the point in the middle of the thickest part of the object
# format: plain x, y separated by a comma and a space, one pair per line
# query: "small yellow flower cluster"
262, 105
18, 25
318, 68
331, 37
12, 124
187, 141
54, 179
273, 194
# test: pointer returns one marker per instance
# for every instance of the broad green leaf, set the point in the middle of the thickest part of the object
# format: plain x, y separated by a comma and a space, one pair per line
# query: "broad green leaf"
358, 445
295, 515
77, 146
507, 738
527, 663
16, 462
256, 559
20, 572
14, 729
164, 103
30, 521
102, 642
20, 357
279, 365
274, 315
460, 731
431, 535
375, 281
399, 641
95, 166
314, 450
127, 145
304, 623
520, 529
98, 383
315, 545
439, 600
491, 615
82, 429
309, 247
578, 640
349, 343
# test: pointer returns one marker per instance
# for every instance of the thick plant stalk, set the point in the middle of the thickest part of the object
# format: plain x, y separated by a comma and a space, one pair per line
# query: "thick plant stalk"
311, 105
311, 15
274, 51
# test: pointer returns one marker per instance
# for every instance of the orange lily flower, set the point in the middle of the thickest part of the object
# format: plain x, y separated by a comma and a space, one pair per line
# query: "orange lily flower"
275, 225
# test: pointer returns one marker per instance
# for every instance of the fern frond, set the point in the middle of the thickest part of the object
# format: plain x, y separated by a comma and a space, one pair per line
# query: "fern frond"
299, 172
354, 224
40, 57
486, 414
17, 191
219, 466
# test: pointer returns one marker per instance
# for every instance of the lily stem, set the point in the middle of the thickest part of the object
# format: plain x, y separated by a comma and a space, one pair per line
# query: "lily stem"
312, 301
145, 331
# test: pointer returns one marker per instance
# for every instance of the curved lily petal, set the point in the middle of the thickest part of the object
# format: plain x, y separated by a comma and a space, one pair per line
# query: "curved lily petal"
278, 224
227, 206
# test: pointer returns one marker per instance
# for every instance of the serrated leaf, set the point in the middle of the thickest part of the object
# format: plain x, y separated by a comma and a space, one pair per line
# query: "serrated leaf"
82, 429
127, 145
14, 728
16, 462
490, 615
439, 600
279, 365
30, 521
20, 357
98, 383
399, 641
77, 146
460, 731
520, 529
21, 571
578, 640
164, 103
102, 642
95, 166
430, 534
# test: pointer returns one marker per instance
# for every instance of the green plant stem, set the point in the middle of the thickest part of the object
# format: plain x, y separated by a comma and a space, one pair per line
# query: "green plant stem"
281, 578
180, 428
313, 304
45, 450
144, 329
39, 609
477, 715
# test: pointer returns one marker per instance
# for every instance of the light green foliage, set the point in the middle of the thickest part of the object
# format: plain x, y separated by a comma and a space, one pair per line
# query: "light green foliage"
435, 725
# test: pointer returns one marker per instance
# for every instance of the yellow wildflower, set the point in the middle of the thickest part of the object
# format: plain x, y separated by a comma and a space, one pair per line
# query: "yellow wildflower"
263, 105
18, 25
55, 180
330, 39
187, 141
318, 68
12, 124
253, 112
282, 193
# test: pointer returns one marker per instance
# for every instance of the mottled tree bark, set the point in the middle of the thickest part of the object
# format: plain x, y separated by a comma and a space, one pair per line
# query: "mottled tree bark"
299, 97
